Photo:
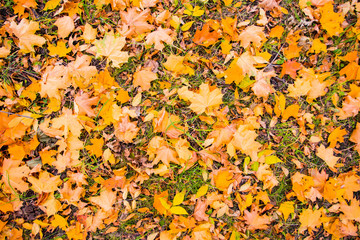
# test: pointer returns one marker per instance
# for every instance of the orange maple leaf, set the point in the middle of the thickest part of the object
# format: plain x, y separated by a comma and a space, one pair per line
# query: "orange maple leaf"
69, 122
310, 219
290, 67
206, 37
135, 23
45, 183
252, 34
106, 200
158, 37
255, 221
84, 103
125, 130
143, 78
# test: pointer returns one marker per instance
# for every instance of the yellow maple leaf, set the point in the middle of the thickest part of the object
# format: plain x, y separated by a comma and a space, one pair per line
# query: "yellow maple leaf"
286, 208
310, 220
336, 136
330, 20
327, 154
176, 64
110, 46
96, 147
60, 49
45, 183
206, 100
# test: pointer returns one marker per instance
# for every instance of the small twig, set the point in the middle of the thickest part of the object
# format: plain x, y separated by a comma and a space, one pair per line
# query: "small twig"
10, 113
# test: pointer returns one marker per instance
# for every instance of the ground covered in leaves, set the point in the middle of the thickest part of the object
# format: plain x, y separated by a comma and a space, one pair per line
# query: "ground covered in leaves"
209, 119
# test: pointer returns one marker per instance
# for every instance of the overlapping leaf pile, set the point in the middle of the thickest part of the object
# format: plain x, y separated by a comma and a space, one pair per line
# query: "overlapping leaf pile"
147, 119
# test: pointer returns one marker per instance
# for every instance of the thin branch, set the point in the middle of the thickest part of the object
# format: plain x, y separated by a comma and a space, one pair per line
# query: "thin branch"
10, 113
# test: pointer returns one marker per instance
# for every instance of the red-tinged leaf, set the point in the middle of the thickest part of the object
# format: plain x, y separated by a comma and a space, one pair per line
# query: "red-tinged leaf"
290, 67
206, 36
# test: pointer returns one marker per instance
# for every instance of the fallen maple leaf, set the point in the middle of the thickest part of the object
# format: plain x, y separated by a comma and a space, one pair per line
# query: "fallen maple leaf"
161, 203
286, 208
45, 183
25, 31
166, 155
106, 200
206, 37
176, 64
60, 49
327, 154
255, 221
252, 34
336, 136
125, 130
290, 67
143, 78
135, 23
69, 122
89, 33
310, 219
65, 26
110, 46
206, 100
330, 20
223, 178
84, 103
199, 211
159, 36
